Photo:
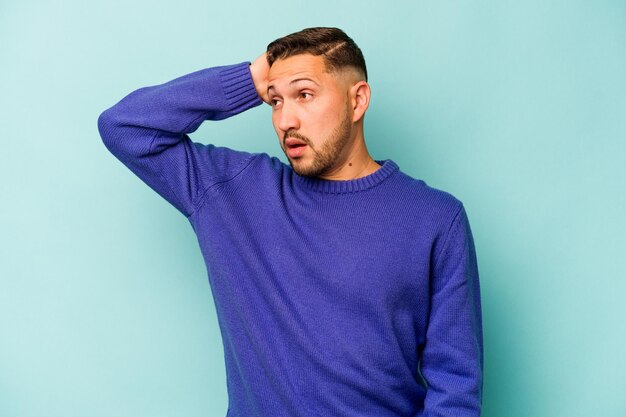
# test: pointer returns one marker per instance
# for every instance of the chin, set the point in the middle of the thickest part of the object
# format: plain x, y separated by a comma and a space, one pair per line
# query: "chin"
302, 168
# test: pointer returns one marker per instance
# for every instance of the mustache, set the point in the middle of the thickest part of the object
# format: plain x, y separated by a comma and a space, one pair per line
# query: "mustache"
293, 134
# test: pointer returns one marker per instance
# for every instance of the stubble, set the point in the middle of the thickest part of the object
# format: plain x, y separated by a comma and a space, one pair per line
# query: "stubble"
326, 157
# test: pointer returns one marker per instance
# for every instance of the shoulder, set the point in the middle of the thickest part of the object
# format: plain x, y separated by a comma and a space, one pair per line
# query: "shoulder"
261, 161
436, 213
428, 200
263, 169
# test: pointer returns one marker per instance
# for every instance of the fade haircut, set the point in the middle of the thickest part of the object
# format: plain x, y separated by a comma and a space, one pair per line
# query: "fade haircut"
338, 49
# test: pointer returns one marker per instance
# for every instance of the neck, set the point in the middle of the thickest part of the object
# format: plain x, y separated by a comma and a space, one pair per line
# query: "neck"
356, 164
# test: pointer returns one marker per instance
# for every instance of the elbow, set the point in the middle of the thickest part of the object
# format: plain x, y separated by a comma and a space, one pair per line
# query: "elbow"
111, 129
122, 136
105, 124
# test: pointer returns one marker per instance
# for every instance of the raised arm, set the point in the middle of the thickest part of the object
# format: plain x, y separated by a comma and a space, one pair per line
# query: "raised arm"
452, 358
260, 70
148, 131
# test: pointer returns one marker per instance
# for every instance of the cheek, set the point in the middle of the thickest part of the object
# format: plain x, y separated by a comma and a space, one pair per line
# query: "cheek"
330, 113
323, 122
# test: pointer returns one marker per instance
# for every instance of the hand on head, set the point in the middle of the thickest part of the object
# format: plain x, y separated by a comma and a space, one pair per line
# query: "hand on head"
259, 70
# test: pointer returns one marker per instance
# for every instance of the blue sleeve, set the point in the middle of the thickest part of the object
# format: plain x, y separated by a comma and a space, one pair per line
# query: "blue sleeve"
148, 132
452, 357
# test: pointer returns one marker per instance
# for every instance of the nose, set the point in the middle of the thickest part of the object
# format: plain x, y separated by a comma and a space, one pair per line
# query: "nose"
287, 118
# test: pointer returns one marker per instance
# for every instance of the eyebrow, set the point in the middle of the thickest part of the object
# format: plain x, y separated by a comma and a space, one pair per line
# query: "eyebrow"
302, 79
297, 80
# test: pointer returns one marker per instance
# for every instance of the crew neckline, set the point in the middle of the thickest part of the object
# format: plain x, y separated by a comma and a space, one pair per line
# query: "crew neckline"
387, 167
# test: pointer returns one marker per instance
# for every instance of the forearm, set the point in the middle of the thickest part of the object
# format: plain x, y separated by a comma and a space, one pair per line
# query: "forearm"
177, 107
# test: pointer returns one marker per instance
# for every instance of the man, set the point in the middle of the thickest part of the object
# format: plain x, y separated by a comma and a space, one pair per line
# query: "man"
343, 287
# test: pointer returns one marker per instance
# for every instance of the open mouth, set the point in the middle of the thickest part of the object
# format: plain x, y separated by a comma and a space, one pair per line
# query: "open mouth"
295, 147
292, 143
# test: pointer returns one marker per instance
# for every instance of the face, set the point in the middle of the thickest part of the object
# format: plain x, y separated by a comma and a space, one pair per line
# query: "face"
311, 113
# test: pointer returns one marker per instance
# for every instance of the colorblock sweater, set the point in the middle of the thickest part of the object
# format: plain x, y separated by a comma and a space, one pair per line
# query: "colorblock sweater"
334, 298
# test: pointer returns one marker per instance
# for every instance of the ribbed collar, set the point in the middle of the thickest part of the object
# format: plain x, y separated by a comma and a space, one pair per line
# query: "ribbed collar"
349, 186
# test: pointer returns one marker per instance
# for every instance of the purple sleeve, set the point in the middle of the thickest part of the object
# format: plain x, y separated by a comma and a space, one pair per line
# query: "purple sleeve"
148, 132
452, 358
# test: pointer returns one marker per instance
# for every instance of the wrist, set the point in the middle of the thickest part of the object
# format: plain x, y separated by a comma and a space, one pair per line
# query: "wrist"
259, 70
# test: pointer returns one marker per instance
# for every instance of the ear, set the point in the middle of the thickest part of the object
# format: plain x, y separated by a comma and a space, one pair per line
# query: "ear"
360, 98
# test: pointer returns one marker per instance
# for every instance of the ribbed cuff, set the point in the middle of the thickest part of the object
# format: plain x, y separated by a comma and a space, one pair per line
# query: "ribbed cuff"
239, 88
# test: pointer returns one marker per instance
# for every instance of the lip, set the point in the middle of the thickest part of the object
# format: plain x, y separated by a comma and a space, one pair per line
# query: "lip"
296, 151
295, 147
289, 142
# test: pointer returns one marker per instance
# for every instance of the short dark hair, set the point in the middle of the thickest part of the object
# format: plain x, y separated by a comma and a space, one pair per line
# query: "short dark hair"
337, 48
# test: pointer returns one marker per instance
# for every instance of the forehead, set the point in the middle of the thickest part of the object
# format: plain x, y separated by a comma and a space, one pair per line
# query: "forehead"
296, 67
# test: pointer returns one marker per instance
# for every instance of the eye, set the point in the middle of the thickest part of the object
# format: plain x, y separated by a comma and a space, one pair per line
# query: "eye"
306, 95
274, 102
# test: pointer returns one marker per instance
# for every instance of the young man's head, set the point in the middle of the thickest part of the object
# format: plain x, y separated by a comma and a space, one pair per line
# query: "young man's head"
317, 87
337, 49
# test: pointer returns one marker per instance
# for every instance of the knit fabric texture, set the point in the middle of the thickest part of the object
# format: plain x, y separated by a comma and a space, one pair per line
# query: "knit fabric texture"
334, 298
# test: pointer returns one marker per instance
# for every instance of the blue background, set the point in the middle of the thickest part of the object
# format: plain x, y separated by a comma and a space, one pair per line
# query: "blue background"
516, 108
